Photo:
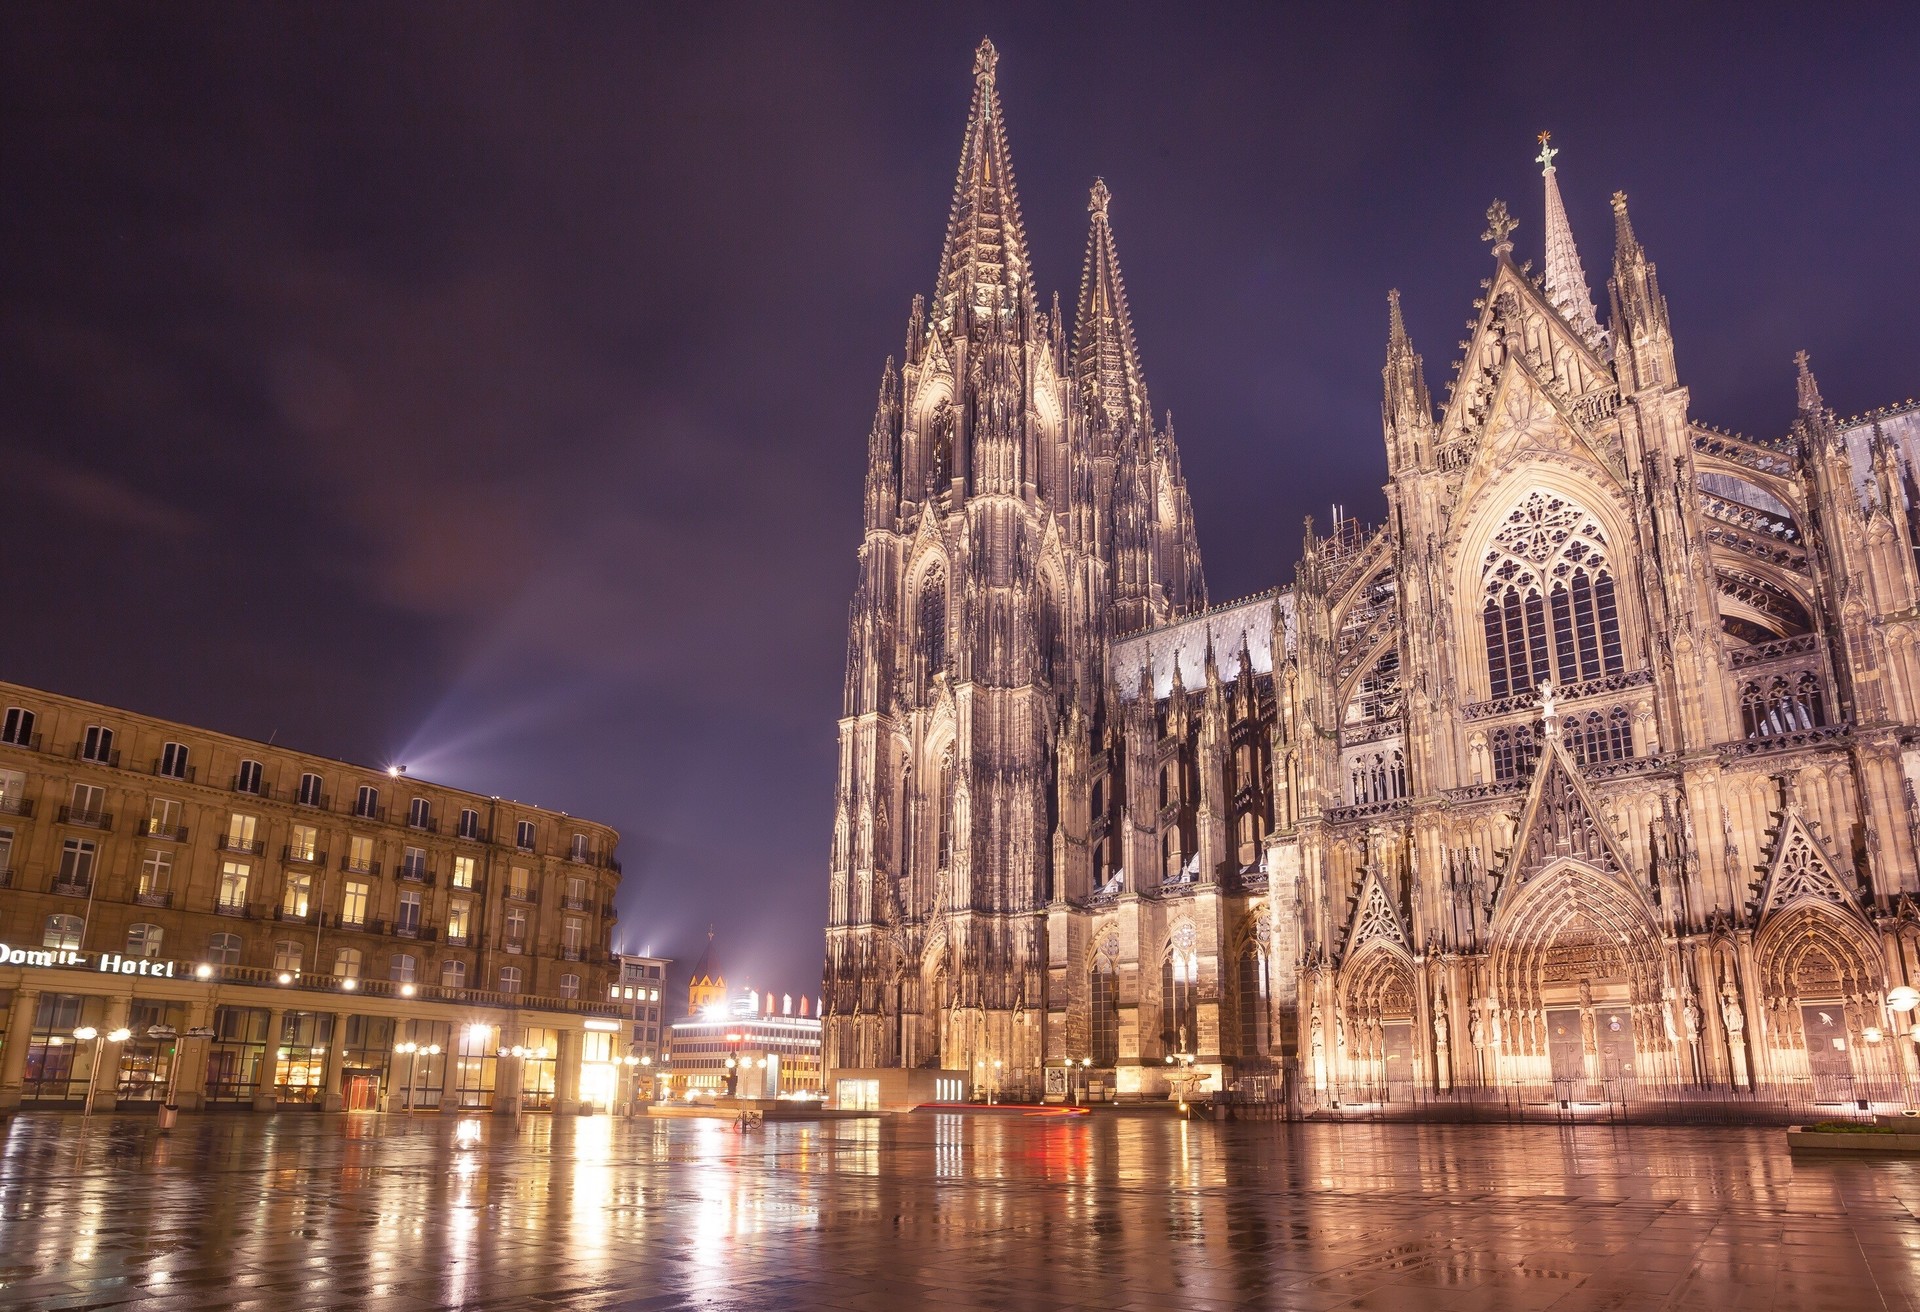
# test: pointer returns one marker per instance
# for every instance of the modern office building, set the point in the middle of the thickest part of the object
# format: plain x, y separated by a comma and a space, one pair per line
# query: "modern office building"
749, 1051
312, 932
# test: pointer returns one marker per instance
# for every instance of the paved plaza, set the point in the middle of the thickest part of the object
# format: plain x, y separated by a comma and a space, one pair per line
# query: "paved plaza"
1114, 1212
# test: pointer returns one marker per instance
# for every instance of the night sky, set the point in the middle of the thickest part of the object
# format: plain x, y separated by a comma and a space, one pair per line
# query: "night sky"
486, 387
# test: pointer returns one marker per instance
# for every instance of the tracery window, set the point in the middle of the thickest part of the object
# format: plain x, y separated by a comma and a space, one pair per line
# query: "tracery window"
1514, 751
1251, 990
1179, 994
1596, 738
1103, 1014
1379, 777
1786, 703
1549, 609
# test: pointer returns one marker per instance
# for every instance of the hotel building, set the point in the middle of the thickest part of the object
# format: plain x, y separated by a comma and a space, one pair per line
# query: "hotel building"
246, 925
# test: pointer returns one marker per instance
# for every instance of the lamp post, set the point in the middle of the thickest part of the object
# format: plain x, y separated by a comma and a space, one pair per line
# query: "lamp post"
1085, 1073
733, 1065
633, 1082
408, 1049
89, 1034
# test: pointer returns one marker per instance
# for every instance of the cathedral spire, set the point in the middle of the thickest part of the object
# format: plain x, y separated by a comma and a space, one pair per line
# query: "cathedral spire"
883, 479
984, 272
1106, 361
1565, 281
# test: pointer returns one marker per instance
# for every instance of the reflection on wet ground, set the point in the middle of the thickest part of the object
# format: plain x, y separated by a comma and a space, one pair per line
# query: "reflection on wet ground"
291, 1212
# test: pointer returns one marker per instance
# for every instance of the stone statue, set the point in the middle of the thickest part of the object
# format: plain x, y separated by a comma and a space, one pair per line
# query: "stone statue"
1440, 1030
1691, 1016
1731, 1014
1476, 1029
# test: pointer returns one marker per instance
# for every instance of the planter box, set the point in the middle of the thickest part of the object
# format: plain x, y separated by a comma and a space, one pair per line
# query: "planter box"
1800, 1139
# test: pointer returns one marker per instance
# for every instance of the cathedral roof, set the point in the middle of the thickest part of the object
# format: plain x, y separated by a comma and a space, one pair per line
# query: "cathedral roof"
1235, 626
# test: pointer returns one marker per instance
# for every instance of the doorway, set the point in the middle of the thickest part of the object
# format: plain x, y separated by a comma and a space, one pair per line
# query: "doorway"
362, 1091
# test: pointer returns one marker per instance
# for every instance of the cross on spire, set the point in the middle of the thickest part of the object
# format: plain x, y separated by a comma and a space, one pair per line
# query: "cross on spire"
1545, 158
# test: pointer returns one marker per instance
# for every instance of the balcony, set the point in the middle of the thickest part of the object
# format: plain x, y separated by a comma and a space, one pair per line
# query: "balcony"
528, 895
342, 921
248, 788
576, 904
415, 874
20, 806
424, 933
514, 946
109, 759
151, 828
86, 819
189, 775
153, 899
293, 917
72, 887
31, 744
426, 826
294, 856
315, 801
453, 940
352, 867
572, 954
228, 843
238, 910
370, 812
473, 835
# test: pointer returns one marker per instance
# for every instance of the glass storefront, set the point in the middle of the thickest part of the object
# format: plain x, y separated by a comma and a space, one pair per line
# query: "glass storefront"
420, 1072
236, 1053
365, 1054
58, 1066
599, 1073
474, 1066
300, 1059
146, 1064
537, 1068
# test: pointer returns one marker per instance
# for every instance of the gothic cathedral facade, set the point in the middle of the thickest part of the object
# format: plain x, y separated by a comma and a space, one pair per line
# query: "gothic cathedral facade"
1593, 765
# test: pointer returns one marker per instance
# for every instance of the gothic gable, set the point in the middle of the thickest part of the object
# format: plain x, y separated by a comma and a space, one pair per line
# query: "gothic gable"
1561, 822
1374, 917
1801, 871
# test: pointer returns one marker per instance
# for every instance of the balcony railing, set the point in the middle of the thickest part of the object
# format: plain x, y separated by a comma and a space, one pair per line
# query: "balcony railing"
189, 775
453, 940
415, 874
474, 835
370, 812
380, 988
576, 904
86, 819
429, 825
571, 954
20, 806
151, 828
25, 744
72, 887
295, 856
155, 898
110, 759
238, 910
317, 802
530, 895
251, 788
514, 946
352, 867
242, 846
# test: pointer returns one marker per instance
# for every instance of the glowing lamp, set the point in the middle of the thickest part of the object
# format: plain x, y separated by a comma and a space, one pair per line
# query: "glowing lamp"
406, 990
203, 971
120, 1035
85, 1033
349, 984
1904, 998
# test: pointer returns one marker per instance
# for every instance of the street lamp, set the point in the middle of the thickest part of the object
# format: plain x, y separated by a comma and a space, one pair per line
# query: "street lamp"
88, 1034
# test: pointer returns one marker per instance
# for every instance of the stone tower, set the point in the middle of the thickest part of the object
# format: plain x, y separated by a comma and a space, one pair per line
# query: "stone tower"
1020, 510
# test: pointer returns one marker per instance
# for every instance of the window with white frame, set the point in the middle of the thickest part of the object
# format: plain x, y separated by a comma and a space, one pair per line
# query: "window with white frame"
62, 933
241, 832
453, 974
76, 863
353, 904
247, 778
523, 836
367, 802
97, 744
295, 897
459, 920
303, 843
402, 967
286, 956
173, 760
510, 979
156, 873
311, 794
360, 853
516, 930
17, 728
407, 914
346, 963
569, 986
143, 940
463, 872
233, 884
224, 949
88, 804
469, 824
420, 813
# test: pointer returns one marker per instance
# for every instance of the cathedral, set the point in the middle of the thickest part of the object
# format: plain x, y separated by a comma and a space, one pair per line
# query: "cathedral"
1589, 772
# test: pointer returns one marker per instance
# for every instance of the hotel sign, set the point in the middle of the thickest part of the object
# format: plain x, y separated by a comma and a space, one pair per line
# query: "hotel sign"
105, 963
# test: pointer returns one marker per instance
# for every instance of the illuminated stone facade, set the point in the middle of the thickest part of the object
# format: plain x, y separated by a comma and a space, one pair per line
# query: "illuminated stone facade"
1592, 768
307, 905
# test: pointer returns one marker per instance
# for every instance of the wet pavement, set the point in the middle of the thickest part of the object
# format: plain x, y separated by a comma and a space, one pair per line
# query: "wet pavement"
1114, 1212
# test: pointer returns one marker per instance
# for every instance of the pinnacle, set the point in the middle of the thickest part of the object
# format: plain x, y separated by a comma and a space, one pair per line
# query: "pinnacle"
1565, 281
1097, 199
1396, 325
984, 273
1623, 238
1807, 387
1106, 361
985, 58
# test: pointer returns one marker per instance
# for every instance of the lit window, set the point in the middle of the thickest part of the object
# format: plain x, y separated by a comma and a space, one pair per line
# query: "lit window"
63, 933
346, 963
463, 872
286, 956
353, 904
360, 854
459, 915
303, 843
233, 884
293, 901
240, 832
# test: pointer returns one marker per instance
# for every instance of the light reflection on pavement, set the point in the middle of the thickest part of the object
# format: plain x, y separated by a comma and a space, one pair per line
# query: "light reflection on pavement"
304, 1211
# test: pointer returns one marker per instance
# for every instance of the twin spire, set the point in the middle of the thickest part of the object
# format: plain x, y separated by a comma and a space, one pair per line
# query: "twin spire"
1106, 362
1565, 282
985, 278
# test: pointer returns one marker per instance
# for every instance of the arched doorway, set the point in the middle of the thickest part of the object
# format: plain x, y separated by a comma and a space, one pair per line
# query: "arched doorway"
1576, 976
1379, 1017
1821, 986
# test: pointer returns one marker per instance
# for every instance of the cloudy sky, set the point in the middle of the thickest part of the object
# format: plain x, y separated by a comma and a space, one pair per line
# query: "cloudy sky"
485, 387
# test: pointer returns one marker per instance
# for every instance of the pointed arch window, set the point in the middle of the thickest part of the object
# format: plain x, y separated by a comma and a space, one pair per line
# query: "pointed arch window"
931, 624
1548, 607
1180, 998
1251, 998
1103, 1013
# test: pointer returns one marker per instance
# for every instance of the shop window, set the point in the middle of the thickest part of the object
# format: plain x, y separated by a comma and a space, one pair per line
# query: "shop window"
57, 1068
474, 1066
237, 1053
300, 1059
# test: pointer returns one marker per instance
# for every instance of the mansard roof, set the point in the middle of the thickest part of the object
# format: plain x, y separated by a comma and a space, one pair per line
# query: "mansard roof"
1231, 627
